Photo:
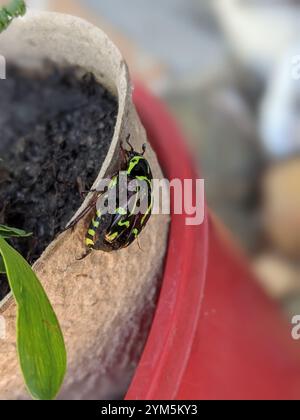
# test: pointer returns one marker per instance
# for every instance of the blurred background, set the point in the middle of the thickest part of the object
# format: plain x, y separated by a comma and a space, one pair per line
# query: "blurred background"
229, 71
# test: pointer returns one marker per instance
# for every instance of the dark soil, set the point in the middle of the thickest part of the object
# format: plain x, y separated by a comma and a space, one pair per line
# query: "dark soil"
56, 128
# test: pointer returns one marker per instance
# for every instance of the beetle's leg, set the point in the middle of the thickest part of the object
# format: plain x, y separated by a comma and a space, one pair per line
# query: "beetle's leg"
85, 255
144, 148
139, 244
82, 214
124, 152
83, 193
81, 188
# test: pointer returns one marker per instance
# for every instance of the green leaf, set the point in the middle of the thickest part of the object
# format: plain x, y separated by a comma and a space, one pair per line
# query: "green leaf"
40, 341
9, 232
16, 8
2, 266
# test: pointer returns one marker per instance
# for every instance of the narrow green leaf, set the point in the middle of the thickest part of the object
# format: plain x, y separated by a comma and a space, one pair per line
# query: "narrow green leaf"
16, 8
9, 232
2, 266
40, 341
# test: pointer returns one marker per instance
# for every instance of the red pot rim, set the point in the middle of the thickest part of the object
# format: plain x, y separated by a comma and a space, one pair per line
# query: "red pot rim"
175, 323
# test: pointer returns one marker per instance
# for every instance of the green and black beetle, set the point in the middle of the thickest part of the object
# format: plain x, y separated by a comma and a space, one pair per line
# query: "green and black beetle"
119, 229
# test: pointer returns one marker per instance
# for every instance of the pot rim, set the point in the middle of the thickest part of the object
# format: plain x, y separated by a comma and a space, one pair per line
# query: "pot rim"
185, 268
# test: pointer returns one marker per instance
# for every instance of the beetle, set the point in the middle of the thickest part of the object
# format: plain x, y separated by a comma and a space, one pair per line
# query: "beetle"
114, 231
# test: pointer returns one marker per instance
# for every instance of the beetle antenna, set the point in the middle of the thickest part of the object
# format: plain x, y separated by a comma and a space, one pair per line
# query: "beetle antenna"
144, 148
128, 142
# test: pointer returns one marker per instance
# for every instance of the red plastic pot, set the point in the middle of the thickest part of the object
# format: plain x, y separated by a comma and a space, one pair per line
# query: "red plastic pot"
215, 334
